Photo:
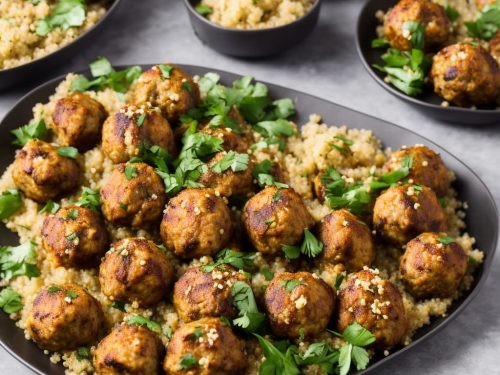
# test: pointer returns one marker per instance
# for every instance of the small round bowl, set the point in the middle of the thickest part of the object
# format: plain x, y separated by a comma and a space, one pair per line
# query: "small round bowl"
252, 43
429, 102
41, 68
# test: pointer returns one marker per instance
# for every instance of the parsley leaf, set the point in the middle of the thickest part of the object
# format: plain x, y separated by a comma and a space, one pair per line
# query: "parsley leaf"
165, 70
277, 362
139, 320
83, 353
310, 246
249, 317
203, 9
239, 260
10, 203
446, 240
89, 199
188, 361
290, 285
71, 294
68, 152
379, 43
487, 23
130, 172
53, 289
36, 130
232, 160
66, 14
72, 214
10, 301
18, 261
50, 207
451, 12
119, 305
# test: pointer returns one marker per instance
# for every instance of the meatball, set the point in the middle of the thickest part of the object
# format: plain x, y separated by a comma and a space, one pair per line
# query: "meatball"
126, 132
298, 304
197, 222
228, 182
75, 237
133, 195
346, 240
495, 46
318, 188
211, 345
64, 317
466, 75
129, 349
167, 87
42, 174
427, 168
374, 303
431, 268
135, 270
78, 120
275, 217
403, 212
431, 15
203, 293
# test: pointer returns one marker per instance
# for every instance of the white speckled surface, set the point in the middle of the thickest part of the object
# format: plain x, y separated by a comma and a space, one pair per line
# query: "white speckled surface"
326, 65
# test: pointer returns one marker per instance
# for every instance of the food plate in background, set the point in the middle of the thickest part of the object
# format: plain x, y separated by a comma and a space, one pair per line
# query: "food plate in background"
482, 217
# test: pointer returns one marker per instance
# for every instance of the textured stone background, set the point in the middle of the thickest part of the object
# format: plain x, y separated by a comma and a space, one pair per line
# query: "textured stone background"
326, 65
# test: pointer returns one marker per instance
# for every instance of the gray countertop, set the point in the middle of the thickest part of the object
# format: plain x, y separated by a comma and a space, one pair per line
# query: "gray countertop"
326, 65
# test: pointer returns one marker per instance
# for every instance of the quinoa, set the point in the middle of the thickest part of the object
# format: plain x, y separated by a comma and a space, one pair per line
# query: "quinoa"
306, 154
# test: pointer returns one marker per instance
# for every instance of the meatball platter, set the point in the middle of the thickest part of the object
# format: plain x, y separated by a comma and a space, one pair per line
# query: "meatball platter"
430, 54
154, 240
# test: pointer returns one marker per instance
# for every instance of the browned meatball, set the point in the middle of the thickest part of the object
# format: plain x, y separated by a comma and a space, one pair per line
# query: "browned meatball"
431, 15
431, 268
64, 317
75, 237
133, 195
125, 132
427, 168
209, 342
466, 75
78, 120
135, 270
42, 174
200, 294
129, 349
495, 47
374, 303
403, 212
275, 217
228, 182
298, 304
167, 87
319, 188
346, 240
197, 222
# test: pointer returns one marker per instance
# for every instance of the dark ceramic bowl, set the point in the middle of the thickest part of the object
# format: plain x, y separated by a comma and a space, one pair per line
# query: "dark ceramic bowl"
482, 215
253, 43
41, 67
429, 102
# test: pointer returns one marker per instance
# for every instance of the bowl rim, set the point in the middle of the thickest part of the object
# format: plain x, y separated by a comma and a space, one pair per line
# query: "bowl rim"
31, 63
393, 90
316, 5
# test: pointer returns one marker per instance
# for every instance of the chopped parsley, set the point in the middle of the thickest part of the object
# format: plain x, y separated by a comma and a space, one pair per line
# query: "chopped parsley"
487, 23
130, 172
36, 130
119, 305
10, 301
290, 285
231, 160
203, 9
72, 236
239, 260
278, 360
65, 14
53, 289
124, 206
268, 274
165, 70
10, 202
344, 147
89, 199
18, 261
139, 320
446, 240
310, 246
50, 207
188, 361
83, 353
249, 318
68, 152
140, 120
71, 294
451, 12
187, 86
72, 214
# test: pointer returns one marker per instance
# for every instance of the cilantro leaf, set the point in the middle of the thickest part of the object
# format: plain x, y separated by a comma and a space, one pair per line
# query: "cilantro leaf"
68, 152
276, 362
10, 203
249, 317
446, 240
379, 43
89, 199
203, 9
451, 12
50, 207
290, 285
66, 14
165, 70
357, 335
10, 301
83, 353
18, 261
36, 130
232, 160
487, 23
239, 260
130, 172
139, 320
188, 361
310, 246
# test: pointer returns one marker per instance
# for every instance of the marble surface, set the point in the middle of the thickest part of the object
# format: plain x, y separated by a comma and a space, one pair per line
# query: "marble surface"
327, 65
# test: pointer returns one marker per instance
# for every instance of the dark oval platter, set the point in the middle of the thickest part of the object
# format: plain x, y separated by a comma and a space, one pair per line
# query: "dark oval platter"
40, 67
482, 217
429, 102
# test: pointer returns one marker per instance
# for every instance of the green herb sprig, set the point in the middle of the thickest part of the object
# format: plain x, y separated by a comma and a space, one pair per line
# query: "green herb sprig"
66, 14
487, 23
10, 202
310, 247
249, 318
239, 260
36, 130
10, 301
18, 261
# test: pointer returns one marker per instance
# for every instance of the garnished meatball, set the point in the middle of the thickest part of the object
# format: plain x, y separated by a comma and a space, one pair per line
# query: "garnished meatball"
129, 349
228, 182
433, 266
466, 75
431, 15
275, 217
126, 132
494, 46
374, 303
167, 87
64, 317
346, 240
133, 195
135, 270
403, 212
205, 347
75, 237
197, 222
298, 304
427, 168
202, 292
78, 120
42, 174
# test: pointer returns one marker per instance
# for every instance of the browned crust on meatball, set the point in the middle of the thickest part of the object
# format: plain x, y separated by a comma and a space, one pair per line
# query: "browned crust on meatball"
135, 270
78, 120
129, 349
374, 303
197, 222
75, 237
304, 310
61, 320
318, 188
215, 346
494, 46
431, 269
275, 217
136, 202
42, 174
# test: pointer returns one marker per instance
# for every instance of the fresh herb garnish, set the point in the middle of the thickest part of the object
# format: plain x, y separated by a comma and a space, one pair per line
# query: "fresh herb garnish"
268, 274
72, 214
310, 246
241, 261
53, 289
124, 206
451, 12
130, 172
277, 361
36, 130
119, 305
487, 23
188, 361
249, 317
290, 285
10, 203
71, 294
72, 236
140, 120
69, 152
379, 43
66, 14
446, 240
10, 301
18, 261
232, 160
50, 207
89, 199
139, 320
165, 70
203, 9
83, 353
